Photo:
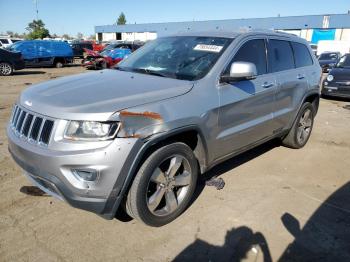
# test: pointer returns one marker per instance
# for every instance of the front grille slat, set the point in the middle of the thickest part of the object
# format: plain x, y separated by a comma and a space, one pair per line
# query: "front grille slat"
30, 126
20, 121
16, 117
46, 132
36, 128
27, 124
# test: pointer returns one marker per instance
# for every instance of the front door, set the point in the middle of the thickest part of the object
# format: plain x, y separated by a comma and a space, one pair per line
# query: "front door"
246, 107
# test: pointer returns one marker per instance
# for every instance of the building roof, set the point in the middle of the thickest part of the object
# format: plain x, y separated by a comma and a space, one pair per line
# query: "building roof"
274, 23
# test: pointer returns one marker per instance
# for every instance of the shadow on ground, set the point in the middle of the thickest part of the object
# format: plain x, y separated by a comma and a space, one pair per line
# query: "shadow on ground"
240, 243
325, 237
24, 72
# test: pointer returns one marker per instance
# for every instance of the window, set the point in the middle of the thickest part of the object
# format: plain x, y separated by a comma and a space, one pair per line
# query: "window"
301, 55
254, 52
4, 41
280, 55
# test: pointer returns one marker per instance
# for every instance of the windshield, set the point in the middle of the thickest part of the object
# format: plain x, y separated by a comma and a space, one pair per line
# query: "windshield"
344, 61
329, 56
181, 57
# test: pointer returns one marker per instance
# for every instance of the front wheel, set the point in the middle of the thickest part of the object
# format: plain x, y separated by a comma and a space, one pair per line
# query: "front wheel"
300, 132
164, 185
6, 69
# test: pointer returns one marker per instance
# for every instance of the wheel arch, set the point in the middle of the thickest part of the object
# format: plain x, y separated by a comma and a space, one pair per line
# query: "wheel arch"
185, 134
314, 99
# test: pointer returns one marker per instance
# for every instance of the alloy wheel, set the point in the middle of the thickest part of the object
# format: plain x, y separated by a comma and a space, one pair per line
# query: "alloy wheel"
304, 127
169, 185
5, 69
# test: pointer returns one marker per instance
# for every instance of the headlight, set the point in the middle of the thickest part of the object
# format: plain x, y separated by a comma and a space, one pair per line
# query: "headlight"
90, 130
330, 78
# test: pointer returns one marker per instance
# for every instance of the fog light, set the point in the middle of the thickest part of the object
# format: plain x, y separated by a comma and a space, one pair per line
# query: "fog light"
85, 174
326, 83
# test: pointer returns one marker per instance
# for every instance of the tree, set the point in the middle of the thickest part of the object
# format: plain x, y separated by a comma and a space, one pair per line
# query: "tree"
66, 36
80, 35
10, 33
37, 30
121, 19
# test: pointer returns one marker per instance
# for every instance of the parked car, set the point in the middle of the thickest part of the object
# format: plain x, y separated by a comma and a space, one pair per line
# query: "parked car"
337, 83
5, 41
10, 61
44, 52
133, 46
328, 59
105, 59
78, 48
138, 136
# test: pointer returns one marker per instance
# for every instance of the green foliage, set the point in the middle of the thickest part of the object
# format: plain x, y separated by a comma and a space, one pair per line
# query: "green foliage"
121, 19
37, 30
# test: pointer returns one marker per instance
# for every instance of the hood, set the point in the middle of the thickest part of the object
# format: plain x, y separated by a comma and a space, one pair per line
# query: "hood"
340, 74
96, 95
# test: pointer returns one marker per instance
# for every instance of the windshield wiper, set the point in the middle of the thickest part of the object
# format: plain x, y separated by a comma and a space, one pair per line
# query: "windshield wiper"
148, 72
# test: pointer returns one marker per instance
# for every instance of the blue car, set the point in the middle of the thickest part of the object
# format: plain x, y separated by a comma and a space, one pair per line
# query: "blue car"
44, 52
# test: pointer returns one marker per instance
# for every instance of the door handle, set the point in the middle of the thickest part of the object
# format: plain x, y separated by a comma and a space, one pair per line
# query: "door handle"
300, 76
267, 85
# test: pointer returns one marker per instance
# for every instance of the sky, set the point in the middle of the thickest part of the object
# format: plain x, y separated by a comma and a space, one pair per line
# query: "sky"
73, 16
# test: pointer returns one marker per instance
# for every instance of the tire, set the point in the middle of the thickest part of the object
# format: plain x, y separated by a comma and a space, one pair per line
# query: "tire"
297, 138
156, 197
59, 64
6, 69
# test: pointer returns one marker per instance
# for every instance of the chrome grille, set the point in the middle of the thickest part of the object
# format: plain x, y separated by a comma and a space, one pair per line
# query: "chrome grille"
28, 125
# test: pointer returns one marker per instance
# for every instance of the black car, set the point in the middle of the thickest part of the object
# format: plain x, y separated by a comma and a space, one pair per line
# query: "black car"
78, 48
338, 80
10, 61
328, 59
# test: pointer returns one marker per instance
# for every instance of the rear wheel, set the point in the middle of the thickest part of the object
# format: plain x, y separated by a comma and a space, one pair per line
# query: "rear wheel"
164, 185
300, 132
59, 64
6, 69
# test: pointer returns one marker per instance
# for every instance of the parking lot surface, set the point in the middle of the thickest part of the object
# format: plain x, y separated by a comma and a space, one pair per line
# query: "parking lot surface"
277, 204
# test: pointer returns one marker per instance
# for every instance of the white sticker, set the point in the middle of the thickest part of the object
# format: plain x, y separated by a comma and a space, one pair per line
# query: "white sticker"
208, 48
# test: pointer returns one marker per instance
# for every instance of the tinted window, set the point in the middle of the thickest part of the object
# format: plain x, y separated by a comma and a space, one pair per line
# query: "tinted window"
254, 52
280, 55
329, 56
4, 41
301, 55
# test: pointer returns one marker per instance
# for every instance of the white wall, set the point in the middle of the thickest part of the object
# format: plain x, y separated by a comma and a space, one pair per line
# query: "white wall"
143, 36
108, 36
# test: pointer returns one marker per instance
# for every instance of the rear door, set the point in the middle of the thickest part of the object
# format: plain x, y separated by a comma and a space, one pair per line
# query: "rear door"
245, 114
292, 82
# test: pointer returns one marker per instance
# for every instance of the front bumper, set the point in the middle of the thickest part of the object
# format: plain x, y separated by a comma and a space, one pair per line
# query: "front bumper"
51, 170
335, 89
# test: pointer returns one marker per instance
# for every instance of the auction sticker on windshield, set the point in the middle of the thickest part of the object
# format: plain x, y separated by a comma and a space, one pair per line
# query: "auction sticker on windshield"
208, 48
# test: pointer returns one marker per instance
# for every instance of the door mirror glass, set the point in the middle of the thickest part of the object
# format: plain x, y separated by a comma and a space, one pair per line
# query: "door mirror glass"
240, 71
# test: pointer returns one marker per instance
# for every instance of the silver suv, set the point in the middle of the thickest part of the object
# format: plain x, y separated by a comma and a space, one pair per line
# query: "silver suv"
136, 137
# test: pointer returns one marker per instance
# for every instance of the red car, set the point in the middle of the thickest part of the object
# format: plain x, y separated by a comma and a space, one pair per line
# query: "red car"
105, 59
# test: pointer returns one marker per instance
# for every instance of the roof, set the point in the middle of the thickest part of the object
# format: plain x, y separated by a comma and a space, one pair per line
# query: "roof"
234, 34
273, 23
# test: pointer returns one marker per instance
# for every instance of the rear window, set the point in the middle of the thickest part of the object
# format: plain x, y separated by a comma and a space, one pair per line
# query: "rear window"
301, 55
280, 55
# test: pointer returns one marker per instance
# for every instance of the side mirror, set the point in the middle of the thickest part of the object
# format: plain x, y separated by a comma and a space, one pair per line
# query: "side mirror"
240, 71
